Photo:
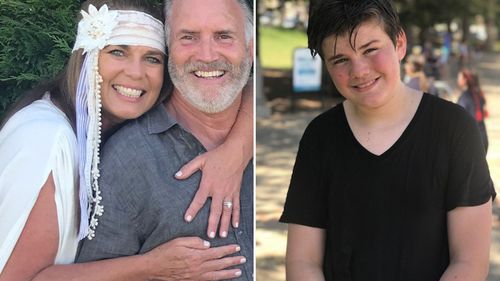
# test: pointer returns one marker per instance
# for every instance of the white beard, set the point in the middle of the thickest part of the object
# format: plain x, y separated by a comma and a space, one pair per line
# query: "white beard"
206, 99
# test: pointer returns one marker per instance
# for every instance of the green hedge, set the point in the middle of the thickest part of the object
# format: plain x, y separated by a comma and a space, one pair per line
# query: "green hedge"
36, 37
35, 41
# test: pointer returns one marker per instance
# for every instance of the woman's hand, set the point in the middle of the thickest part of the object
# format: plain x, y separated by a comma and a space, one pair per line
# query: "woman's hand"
222, 170
184, 258
191, 258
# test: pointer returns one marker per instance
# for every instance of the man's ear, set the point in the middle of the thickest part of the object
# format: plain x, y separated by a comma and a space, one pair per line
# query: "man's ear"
401, 45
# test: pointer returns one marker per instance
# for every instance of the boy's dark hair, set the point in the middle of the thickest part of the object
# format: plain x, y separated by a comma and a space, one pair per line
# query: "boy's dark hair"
340, 17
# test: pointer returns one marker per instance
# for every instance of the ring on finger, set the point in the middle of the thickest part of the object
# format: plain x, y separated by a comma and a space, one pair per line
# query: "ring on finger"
228, 204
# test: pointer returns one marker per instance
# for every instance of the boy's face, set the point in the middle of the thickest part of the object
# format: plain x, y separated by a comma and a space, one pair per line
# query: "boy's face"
369, 75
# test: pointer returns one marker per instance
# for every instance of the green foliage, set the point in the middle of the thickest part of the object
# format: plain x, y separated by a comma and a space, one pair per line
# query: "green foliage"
276, 46
35, 41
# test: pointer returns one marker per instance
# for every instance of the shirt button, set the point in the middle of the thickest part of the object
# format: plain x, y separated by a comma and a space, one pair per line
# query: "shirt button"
240, 232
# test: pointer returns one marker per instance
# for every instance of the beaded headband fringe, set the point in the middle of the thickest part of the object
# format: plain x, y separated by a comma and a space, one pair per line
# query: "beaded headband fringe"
97, 29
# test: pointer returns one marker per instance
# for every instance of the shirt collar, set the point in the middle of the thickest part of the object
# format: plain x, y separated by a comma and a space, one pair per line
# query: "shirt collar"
159, 120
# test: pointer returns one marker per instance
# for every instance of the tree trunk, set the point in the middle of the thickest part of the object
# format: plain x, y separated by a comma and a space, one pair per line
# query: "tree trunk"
281, 8
491, 30
465, 28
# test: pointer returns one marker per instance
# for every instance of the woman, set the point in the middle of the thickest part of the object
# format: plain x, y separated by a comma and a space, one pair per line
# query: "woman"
388, 184
117, 65
472, 99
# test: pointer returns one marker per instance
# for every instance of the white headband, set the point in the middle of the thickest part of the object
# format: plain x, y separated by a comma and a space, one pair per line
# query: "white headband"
118, 27
97, 29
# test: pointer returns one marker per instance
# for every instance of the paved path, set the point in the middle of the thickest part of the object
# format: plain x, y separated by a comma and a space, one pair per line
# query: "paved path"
277, 142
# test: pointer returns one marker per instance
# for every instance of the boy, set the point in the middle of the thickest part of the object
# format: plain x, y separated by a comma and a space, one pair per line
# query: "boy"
388, 184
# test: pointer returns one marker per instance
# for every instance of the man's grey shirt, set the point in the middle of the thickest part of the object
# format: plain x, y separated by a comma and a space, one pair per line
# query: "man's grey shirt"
144, 204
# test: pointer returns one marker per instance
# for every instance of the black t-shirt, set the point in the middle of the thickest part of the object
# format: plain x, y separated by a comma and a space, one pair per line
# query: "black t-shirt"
385, 216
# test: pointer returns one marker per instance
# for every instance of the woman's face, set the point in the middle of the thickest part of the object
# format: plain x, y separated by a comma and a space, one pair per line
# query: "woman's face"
462, 83
369, 75
132, 80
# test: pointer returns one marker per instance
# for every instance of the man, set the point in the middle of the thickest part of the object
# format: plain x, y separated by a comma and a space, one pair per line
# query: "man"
210, 46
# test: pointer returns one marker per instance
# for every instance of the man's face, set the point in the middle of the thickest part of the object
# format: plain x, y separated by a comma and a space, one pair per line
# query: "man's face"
209, 58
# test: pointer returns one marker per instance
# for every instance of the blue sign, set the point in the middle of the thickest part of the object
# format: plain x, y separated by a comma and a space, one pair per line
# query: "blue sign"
306, 71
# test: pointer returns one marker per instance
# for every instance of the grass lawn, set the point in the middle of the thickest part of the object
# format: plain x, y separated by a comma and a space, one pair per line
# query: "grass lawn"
496, 47
276, 46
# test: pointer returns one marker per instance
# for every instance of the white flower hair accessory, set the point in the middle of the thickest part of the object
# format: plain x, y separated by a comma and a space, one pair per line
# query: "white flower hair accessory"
96, 30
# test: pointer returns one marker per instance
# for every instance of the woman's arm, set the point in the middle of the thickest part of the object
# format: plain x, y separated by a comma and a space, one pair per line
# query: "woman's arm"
304, 253
469, 234
187, 258
37, 245
223, 169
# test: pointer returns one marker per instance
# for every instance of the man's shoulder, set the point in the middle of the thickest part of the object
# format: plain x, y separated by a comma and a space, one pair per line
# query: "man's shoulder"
132, 130
139, 146
127, 141
130, 137
126, 148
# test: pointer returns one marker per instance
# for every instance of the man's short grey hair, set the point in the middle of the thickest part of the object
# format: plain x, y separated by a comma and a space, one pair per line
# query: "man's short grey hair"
247, 11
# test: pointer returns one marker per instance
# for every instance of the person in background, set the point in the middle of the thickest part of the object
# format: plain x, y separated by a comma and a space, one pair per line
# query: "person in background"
473, 100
